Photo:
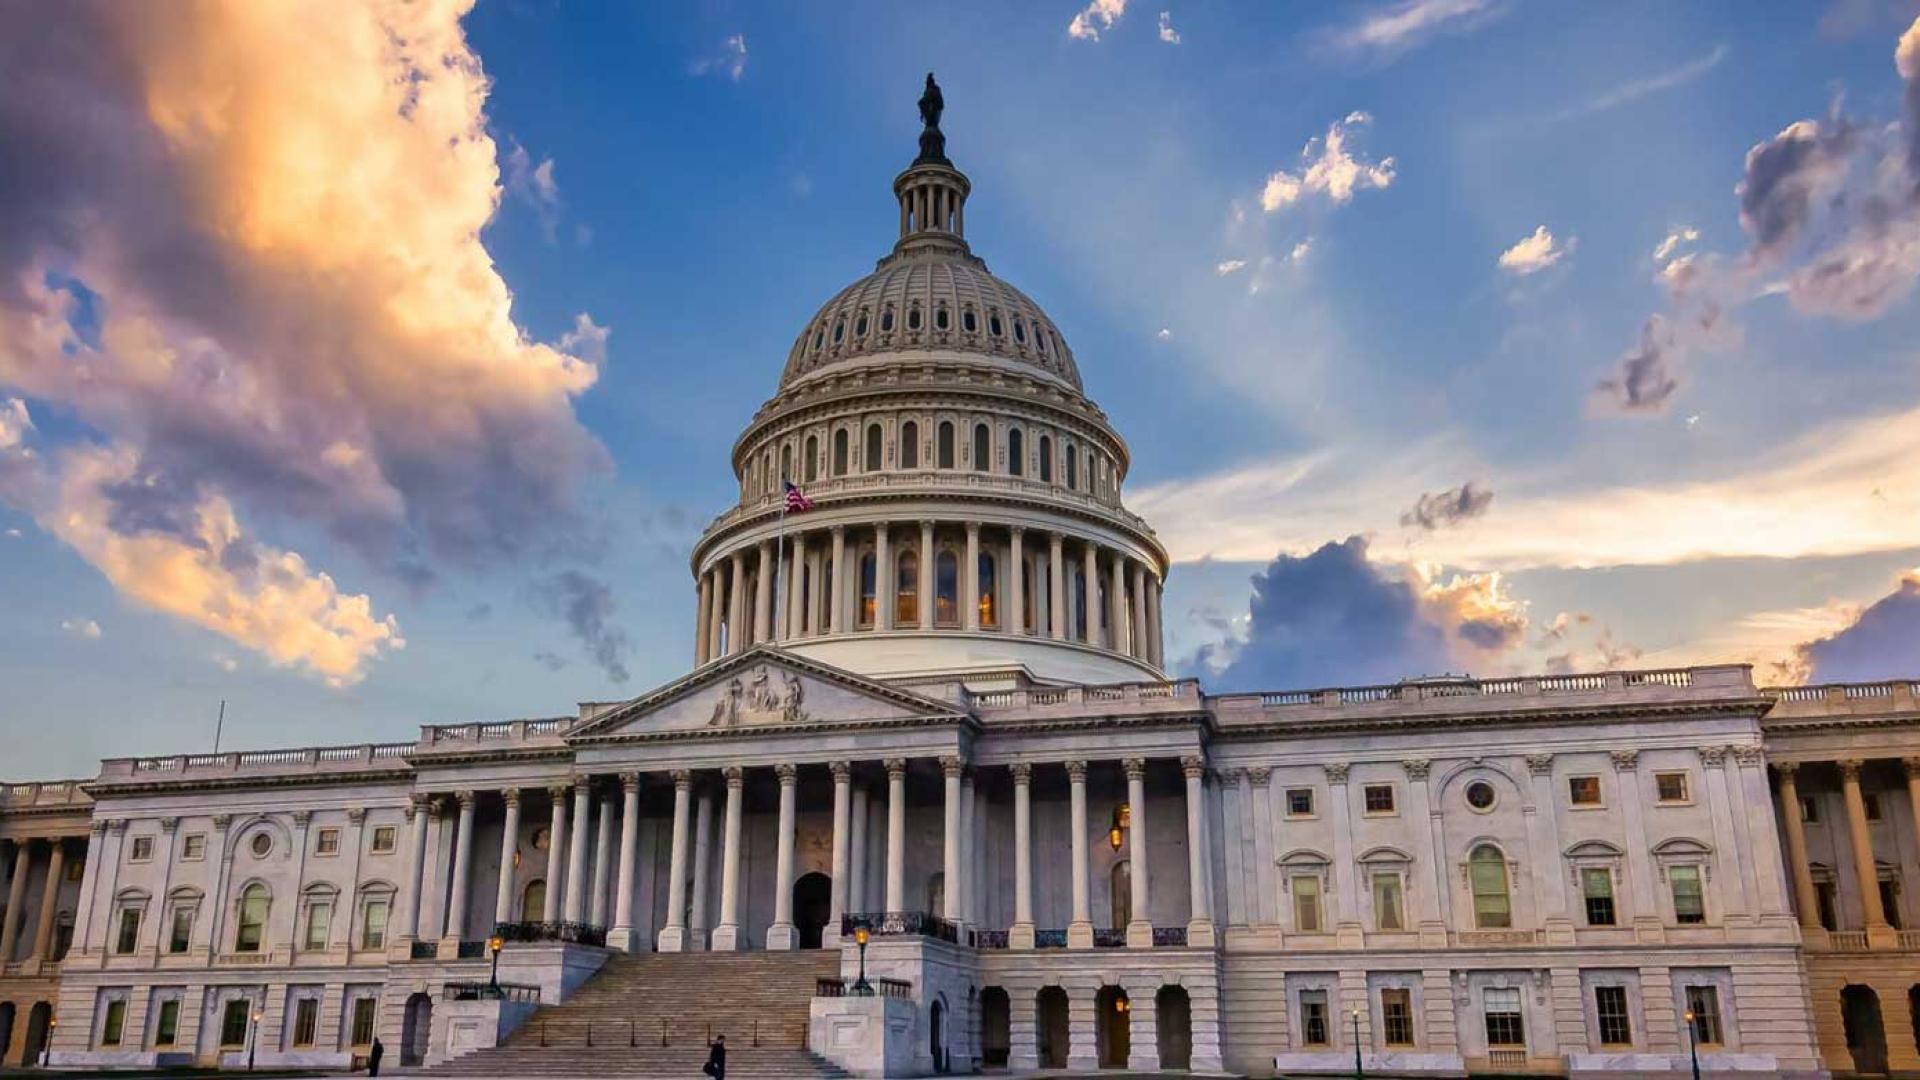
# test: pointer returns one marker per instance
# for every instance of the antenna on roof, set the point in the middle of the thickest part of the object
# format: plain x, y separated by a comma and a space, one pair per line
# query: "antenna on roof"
218, 724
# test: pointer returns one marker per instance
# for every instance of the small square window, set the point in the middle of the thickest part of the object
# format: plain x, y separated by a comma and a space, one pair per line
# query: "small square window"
1299, 802
327, 842
1379, 798
193, 847
142, 849
1672, 787
383, 839
1583, 790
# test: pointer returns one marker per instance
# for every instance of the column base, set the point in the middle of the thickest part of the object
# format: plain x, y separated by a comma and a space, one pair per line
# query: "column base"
1020, 936
1023, 1061
672, 939
782, 937
726, 938
623, 939
1140, 936
1200, 934
1882, 937
1142, 1059
1080, 935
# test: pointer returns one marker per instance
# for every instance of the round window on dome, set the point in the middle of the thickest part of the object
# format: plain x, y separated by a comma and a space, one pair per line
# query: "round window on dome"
968, 322
940, 318
1480, 795
1019, 331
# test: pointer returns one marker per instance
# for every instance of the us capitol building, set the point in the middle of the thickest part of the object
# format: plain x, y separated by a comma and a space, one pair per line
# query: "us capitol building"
929, 801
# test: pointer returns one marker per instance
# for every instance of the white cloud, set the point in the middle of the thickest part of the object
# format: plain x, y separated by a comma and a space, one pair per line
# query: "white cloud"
1164, 334
1535, 253
1103, 12
13, 534
1328, 169
1685, 234
225, 662
82, 628
1634, 89
1387, 32
730, 60
534, 185
14, 423
1167, 33
1230, 266
1300, 251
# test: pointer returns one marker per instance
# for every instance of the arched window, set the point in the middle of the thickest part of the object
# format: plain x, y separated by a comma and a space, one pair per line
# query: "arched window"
251, 928
945, 447
533, 901
1016, 453
969, 322
869, 596
946, 589
937, 892
1019, 331
886, 321
1046, 460
1073, 469
1487, 873
940, 318
982, 448
860, 325
906, 590
913, 317
1120, 890
871, 463
909, 445
989, 588
840, 452
812, 468
786, 462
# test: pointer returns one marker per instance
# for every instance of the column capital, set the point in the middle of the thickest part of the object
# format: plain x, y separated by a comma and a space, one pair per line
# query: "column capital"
118, 826
416, 803
1912, 765
1746, 756
1788, 770
1540, 764
302, 818
1850, 768
1077, 771
357, 815
1624, 760
973, 528
788, 773
98, 827
465, 798
1336, 772
511, 795
169, 825
1016, 530
1416, 768
629, 782
734, 775
952, 765
842, 771
926, 523
558, 792
838, 531
1193, 768
1261, 776
896, 768
1022, 773
1136, 768
221, 821
582, 783
1233, 777
1713, 757
682, 779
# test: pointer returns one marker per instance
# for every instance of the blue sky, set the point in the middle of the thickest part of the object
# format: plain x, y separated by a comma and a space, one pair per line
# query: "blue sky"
1274, 243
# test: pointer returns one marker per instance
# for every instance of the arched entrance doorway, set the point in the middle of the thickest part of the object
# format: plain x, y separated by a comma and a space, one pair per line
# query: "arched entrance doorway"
1050, 1027
1173, 1027
38, 1019
812, 899
8, 1014
1113, 1026
1866, 1035
937, 1035
416, 1029
996, 1026
1913, 1012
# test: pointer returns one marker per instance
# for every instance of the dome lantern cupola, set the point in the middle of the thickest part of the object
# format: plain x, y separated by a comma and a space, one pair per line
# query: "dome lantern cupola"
932, 193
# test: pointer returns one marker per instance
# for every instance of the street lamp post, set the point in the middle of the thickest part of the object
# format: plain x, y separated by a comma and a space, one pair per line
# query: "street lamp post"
493, 981
1693, 1044
253, 1037
46, 1052
1359, 1069
860, 986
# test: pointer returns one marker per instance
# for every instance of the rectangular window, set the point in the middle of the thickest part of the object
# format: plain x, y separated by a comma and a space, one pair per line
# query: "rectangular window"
142, 849
1704, 1003
1689, 903
326, 842
193, 847
1671, 787
167, 1027
1313, 1017
1379, 798
233, 1022
1387, 913
373, 928
116, 1022
1890, 902
306, 1017
1809, 809
182, 933
1583, 790
363, 1020
383, 839
1610, 1006
1306, 903
1823, 898
1396, 1016
1504, 1025
129, 937
1872, 801
319, 921
1596, 883
1300, 802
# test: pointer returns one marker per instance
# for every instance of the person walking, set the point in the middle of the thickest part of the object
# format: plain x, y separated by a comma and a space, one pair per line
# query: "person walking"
374, 1054
716, 1065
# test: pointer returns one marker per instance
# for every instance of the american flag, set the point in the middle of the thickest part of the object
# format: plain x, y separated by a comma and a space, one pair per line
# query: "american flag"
796, 499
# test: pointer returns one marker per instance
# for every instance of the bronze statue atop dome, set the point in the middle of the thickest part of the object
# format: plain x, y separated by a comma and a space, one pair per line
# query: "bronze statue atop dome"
933, 144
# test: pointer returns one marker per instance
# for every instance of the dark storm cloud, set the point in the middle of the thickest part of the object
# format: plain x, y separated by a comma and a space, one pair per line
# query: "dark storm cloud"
586, 605
1644, 380
1883, 643
1441, 509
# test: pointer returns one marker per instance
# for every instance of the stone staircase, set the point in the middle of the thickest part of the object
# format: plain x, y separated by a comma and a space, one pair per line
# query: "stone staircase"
652, 1014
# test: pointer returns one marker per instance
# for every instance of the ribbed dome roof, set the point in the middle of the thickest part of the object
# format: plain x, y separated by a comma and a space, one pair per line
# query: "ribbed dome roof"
934, 298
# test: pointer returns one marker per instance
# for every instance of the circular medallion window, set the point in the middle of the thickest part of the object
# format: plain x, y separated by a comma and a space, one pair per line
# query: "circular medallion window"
260, 845
1480, 795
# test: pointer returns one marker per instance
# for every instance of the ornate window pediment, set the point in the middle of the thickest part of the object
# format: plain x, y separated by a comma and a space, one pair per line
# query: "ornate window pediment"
1384, 857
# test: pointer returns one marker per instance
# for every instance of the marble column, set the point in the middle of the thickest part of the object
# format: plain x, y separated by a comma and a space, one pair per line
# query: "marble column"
49, 900
1730, 869
1752, 816
622, 936
1139, 636
926, 575
1080, 929
556, 854
1199, 904
857, 896
1056, 588
1090, 606
509, 843
576, 906
702, 632
456, 923
781, 934
970, 579
737, 618
816, 587
882, 578
1235, 845
1020, 936
716, 620
896, 834
952, 888
726, 936
1805, 899
673, 936
416, 869
837, 597
702, 866
839, 889
602, 862
16, 899
1118, 638
763, 594
1860, 842
1016, 617
797, 589
1140, 930
1154, 644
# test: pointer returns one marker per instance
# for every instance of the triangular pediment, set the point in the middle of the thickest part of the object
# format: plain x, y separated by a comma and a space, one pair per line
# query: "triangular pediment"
763, 688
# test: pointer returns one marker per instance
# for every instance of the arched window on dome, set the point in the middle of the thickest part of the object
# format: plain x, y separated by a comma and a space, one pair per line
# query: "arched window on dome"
906, 590
860, 325
871, 463
786, 462
886, 321
909, 445
969, 321
1016, 453
768, 479
1019, 331
1029, 597
812, 467
993, 324
840, 452
869, 584
1040, 339
982, 448
941, 320
1073, 468
819, 337
946, 589
1046, 460
913, 317
839, 330
944, 445
989, 589
1077, 604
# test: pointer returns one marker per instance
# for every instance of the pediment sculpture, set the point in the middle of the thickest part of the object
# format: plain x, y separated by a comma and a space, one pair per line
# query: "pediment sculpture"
763, 700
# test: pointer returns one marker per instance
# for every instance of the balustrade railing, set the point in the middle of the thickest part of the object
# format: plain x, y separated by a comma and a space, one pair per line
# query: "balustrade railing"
893, 988
900, 924
569, 933
1109, 937
1847, 940
1169, 937
1049, 939
989, 939
489, 991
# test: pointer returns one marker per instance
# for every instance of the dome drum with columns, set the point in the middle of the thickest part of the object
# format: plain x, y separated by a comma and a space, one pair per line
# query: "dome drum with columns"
967, 495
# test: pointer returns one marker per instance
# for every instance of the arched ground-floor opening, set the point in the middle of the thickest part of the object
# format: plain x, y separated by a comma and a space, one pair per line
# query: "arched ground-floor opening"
1112, 1022
1050, 1027
39, 1023
8, 1014
996, 1026
1173, 1027
416, 1029
937, 1035
1913, 1013
812, 900
1866, 1033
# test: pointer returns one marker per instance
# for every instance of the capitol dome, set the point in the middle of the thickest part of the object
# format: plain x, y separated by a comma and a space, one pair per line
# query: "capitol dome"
963, 511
